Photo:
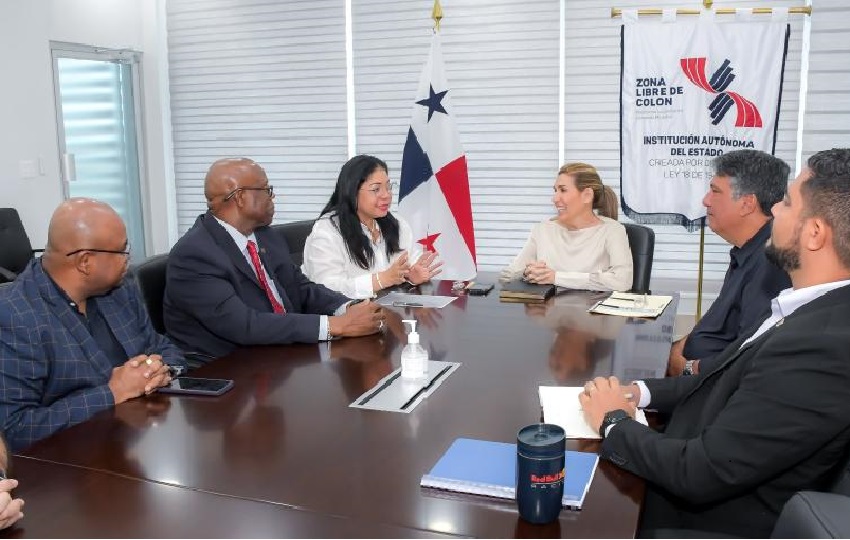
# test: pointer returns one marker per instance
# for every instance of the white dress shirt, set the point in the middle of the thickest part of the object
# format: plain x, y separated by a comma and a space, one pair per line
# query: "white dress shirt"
242, 243
788, 301
327, 261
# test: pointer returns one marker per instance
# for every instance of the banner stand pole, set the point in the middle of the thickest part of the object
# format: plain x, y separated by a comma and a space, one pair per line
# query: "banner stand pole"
699, 274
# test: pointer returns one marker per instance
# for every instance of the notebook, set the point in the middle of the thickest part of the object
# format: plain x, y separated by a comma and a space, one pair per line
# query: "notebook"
489, 468
521, 291
561, 407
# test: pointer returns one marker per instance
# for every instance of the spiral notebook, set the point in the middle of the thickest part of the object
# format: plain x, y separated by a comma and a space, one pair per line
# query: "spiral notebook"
489, 468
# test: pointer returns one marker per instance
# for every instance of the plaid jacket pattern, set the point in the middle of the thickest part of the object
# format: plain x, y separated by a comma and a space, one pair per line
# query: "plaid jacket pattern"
52, 372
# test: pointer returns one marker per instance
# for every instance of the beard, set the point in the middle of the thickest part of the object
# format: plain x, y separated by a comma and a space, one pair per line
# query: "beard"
786, 258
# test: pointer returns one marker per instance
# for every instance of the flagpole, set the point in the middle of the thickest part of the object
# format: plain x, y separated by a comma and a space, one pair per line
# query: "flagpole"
437, 14
699, 272
799, 10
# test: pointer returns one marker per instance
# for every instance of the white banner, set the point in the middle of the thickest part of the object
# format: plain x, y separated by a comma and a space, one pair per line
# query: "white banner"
691, 91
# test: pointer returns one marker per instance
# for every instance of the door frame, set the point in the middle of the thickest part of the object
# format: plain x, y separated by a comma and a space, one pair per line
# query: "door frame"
62, 49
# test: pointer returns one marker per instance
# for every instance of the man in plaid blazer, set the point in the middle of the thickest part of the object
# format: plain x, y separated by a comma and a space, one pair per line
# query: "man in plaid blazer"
75, 337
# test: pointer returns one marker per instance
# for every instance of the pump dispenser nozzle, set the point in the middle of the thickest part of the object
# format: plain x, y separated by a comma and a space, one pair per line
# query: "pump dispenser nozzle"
413, 336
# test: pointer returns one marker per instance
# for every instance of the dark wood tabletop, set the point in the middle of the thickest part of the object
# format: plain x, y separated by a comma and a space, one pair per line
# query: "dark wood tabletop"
71, 502
285, 434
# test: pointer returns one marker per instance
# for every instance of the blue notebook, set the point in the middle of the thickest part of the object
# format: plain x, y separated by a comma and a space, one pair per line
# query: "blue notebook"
489, 468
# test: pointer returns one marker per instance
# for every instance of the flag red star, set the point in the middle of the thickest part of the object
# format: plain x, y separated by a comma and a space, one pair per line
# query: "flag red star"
428, 242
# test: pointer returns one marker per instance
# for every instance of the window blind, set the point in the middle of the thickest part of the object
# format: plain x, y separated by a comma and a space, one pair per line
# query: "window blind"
502, 67
262, 79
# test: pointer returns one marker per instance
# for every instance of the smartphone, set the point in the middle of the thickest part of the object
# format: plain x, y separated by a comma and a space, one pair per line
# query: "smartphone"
479, 289
198, 386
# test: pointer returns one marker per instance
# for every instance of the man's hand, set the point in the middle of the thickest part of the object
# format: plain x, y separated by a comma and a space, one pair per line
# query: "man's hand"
602, 395
539, 272
676, 362
358, 320
425, 268
139, 375
10, 509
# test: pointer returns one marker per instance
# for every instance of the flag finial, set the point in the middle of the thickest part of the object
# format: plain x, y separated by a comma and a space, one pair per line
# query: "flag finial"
707, 3
437, 14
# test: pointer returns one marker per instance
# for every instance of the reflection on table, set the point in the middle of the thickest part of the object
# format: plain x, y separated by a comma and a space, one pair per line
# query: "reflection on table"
285, 434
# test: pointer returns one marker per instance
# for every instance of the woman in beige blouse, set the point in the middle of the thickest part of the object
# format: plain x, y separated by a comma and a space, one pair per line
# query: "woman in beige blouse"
578, 248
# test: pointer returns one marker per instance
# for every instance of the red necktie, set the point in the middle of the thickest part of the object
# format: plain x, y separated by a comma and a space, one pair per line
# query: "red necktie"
252, 251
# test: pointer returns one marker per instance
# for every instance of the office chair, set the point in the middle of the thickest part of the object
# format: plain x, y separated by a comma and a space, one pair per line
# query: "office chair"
295, 234
150, 276
642, 244
15, 248
816, 514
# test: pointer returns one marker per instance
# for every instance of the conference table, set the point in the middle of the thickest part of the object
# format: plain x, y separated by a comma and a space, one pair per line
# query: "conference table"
283, 454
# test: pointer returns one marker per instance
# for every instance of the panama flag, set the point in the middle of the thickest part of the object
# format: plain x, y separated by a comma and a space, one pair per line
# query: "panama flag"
434, 191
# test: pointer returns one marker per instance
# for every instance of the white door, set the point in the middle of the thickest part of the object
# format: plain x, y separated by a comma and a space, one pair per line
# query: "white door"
97, 102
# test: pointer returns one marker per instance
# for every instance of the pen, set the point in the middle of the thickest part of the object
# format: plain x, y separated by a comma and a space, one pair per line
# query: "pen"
406, 304
422, 390
378, 390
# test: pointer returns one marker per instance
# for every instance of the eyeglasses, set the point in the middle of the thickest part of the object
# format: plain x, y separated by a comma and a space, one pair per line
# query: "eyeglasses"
267, 189
125, 252
377, 189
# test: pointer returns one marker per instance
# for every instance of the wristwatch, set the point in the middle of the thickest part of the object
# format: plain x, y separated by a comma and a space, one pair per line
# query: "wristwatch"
611, 418
689, 367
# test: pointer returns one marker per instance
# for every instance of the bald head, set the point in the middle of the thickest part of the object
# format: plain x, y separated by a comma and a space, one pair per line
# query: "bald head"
86, 248
238, 192
227, 174
83, 223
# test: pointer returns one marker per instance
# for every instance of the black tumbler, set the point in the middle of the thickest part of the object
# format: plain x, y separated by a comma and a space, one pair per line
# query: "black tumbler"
540, 472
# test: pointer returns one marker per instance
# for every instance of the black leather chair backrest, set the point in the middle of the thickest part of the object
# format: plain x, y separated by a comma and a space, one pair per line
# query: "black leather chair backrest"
642, 244
295, 234
150, 275
15, 248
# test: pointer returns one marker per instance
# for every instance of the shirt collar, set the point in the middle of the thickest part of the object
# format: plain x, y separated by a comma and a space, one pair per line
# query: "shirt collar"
64, 295
751, 246
790, 300
240, 239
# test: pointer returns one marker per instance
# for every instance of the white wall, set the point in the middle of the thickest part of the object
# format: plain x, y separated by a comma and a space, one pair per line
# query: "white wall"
27, 109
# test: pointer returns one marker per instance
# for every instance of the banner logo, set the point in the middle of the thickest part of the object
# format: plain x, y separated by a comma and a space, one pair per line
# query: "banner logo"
748, 114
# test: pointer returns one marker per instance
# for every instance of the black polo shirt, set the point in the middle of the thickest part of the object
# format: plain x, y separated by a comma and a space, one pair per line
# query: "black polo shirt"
97, 326
750, 284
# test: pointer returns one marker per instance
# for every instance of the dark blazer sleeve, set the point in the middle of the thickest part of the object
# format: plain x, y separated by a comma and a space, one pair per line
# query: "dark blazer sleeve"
790, 400
203, 283
307, 296
666, 393
46, 383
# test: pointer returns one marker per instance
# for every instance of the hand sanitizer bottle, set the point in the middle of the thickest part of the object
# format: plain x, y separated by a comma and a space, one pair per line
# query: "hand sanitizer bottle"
414, 358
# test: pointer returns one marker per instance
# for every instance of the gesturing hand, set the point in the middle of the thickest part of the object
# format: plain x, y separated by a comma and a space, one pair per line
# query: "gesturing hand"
425, 268
394, 275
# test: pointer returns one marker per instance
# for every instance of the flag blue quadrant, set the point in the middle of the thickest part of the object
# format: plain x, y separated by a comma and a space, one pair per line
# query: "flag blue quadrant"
489, 468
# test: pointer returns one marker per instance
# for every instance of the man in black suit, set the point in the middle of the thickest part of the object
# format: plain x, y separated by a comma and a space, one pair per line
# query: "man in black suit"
231, 282
773, 416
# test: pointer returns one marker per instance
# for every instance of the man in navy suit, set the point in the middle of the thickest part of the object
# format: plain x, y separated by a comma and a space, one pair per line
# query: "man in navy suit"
75, 337
772, 416
231, 282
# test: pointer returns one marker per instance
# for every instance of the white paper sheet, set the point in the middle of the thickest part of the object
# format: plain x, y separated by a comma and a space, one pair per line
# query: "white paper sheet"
398, 299
561, 407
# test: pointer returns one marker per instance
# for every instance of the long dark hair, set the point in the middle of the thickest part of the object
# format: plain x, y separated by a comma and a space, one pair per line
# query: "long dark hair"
343, 206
